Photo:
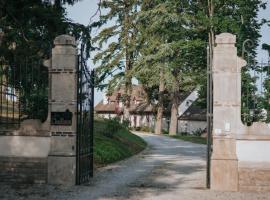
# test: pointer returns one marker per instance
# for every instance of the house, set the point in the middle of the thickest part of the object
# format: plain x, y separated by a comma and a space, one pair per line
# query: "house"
192, 120
191, 117
141, 112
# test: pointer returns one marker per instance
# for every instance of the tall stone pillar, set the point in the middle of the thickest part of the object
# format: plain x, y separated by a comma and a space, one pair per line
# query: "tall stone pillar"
226, 113
62, 108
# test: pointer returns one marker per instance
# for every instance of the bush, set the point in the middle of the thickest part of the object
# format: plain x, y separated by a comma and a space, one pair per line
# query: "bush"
125, 123
146, 129
184, 133
198, 132
165, 132
109, 127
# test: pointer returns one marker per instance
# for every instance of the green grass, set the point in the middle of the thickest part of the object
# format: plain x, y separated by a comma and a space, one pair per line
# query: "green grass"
193, 139
114, 146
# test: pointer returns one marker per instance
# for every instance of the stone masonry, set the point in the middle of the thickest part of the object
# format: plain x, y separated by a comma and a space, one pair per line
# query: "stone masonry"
240, 160
63, 96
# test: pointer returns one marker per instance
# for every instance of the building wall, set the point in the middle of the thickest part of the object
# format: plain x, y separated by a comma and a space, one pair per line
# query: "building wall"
190, 126
135, 119
142, 120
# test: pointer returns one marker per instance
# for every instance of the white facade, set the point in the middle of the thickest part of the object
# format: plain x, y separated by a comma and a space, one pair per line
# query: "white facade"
186, 126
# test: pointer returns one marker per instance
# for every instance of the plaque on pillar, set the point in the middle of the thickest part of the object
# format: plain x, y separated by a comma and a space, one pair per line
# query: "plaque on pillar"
61, 118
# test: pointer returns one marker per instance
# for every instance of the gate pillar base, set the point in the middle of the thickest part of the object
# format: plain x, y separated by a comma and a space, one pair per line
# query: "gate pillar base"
62, 170
224, 165
224, 175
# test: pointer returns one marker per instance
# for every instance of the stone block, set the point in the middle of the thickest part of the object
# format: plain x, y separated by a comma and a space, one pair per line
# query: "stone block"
224, 175
254, 176
62, 170
64, 61
224, 148
65, 146
24, 146
64, 87
19, 170
64, 40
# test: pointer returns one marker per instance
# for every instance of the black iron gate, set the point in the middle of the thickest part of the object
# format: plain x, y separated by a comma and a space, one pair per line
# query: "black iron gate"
85, 122
255, 101
23, 92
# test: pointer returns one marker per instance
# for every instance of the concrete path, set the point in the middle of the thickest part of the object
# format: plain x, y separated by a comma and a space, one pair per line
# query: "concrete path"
168, 169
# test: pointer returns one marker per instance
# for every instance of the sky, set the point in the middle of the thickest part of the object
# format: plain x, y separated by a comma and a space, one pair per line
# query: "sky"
82, 11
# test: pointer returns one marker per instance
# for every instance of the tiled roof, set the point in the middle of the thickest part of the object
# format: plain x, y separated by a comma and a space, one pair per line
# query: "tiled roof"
194, 113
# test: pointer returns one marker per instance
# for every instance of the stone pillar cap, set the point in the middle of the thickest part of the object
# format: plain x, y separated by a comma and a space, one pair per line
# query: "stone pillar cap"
225, 38
65, 40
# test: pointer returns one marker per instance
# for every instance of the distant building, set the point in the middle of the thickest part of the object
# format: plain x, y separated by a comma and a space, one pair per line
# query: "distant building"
191, 117
141, 113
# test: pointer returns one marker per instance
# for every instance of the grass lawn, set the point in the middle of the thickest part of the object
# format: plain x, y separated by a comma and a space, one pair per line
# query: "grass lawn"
190, 138
114, 144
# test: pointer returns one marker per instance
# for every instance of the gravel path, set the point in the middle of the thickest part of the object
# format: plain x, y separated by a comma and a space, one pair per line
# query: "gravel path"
168, 169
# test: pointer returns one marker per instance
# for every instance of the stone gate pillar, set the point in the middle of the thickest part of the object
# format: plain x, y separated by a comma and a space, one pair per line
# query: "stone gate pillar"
226, 113
62, 112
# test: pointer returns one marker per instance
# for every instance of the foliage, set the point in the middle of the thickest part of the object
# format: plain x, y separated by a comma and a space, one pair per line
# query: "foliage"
123, 144
198, 132
117, 46
27, 31
237, 17
110, 127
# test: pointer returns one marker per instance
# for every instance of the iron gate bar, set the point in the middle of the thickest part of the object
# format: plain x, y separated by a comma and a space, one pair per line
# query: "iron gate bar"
85, 120
209, 116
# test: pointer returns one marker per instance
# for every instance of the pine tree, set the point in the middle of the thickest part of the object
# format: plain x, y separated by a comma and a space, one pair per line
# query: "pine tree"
116, 56
167, 42
27, 30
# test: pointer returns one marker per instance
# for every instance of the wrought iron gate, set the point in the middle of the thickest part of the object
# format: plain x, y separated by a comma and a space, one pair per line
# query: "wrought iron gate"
255, 102
23, 92
85, 122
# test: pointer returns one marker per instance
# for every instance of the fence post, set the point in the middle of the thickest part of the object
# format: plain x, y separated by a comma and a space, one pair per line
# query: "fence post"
62, 116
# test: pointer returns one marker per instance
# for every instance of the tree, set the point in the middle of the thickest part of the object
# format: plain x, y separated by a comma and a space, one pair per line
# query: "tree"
116, 57
27, 30
167, 40
237, 17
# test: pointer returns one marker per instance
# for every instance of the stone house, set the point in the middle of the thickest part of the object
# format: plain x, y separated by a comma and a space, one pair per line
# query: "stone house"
191, 117
141, 113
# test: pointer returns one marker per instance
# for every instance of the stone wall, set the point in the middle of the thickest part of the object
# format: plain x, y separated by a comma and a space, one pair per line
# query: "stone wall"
23, 154
23, 170
240, 160
38, 153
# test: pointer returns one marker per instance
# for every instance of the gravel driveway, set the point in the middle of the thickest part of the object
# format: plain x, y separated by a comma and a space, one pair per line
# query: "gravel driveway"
168, 169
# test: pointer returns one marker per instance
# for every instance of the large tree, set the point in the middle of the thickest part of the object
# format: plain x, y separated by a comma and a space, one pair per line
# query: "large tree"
170, 52
117, 45
237, 17
27, 31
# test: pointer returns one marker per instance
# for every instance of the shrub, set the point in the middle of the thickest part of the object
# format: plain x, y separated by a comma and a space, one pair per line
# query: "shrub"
184, 133
165, 132
198, 132
125, 123
109, 127
146, 129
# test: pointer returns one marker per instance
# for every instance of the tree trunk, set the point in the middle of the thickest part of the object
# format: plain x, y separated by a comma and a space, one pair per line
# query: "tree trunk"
160, 110
174, 109
128, 66
173, 122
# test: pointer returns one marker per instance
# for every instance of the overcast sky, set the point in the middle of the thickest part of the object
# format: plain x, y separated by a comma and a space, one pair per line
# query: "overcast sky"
82, 11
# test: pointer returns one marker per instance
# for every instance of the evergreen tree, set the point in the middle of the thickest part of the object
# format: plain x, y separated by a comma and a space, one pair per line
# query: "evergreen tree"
237, 17
170, 52
117, 55
27, 30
